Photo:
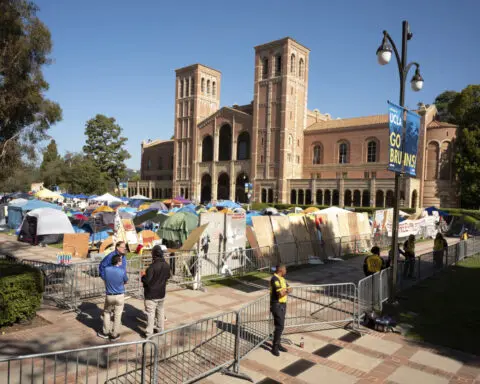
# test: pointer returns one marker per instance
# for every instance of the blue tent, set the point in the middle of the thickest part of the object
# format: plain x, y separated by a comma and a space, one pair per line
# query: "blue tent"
81, 196
136, 203
432, 209
188, 208
124, 198
92, 197
225, 204
17, 210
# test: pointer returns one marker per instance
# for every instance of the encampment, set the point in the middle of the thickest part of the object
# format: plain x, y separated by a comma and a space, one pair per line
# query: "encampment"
45, 225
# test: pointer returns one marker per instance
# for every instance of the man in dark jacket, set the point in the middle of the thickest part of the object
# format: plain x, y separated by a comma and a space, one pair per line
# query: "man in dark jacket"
154, 285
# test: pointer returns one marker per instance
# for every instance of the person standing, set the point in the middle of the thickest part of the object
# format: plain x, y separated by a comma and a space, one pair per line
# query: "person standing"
440, 246
279, 290
154, 285
373, 263
115, 279
409, 249
120, 250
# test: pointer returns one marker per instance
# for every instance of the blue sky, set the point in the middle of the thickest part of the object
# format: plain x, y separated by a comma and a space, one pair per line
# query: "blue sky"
118, 57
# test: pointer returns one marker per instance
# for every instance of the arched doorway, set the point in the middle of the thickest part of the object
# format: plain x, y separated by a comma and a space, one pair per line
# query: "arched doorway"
243, 146
389, 199
308, 197
264, 195
182, 192
293, 197
301, 197
270, 195
225, 147
366, 198
347, 199
335, 197
379, 199
206, 190
327, 200
319, 197
223, 189
357, 198
240, 194
414, 199
207, 148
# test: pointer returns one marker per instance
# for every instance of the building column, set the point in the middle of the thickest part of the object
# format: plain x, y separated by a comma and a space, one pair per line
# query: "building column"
341, 193
150, 189
385, 199
137, 188
314, 192
373, 192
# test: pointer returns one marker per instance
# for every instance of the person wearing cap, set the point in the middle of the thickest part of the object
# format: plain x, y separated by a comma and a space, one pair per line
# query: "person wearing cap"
279, 290
154, 285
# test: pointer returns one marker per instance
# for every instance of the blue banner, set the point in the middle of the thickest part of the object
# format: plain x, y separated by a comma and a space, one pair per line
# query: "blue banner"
395, 121
411, 144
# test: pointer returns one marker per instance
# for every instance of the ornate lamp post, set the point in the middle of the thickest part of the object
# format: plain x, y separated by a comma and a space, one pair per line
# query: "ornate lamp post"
384, 55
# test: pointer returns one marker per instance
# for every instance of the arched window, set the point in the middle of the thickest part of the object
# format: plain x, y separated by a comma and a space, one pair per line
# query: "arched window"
225, 151
328, 198
270, 195
335, 197
160, 163
180, 94
445, 160
214, 88
207, 148
301, 68
278, 65
389, 199
319, 197
372, 152
208, 87
343, 153
265, 68
264, 195
192, 87
317, 153
432, 160
290, 140
379, 199
292, 64
366, 198
414, 199
308, 197
149, 164
243, 146
293, 196
357, 201
203, 85
301, 197
347, 198
187, 86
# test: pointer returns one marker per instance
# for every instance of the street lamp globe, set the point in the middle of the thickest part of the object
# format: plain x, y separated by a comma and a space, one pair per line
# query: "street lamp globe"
417, 81
384, 53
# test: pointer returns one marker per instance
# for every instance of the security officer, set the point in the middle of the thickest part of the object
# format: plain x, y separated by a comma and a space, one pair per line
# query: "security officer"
279, 289
409, 249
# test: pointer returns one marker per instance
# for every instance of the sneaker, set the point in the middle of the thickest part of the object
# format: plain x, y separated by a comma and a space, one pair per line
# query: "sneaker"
102, 335
275, 352
114, 338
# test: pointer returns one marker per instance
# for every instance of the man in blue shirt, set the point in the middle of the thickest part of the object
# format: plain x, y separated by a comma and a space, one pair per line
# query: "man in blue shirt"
115, 279
120, 249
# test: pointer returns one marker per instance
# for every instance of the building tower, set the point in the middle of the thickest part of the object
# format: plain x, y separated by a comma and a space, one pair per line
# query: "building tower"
197, 96
280, 111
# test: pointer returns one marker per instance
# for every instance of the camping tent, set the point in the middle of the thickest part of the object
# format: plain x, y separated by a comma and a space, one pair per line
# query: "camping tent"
47, 194
178, 226
107, 197
139, 197
18, 207
45, 225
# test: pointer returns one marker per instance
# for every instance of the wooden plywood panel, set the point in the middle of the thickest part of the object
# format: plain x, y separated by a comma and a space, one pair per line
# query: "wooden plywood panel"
264, 236
302, 236
287, 248
76, 244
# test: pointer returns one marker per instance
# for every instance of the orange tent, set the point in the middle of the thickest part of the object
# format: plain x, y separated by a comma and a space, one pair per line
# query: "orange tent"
103, 208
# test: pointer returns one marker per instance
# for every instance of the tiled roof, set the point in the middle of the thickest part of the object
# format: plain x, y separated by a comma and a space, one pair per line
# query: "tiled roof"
351, 122
147, 144
441, 124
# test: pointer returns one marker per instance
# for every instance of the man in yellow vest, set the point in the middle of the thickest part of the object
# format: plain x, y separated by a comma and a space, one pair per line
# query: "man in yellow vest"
279, 290
409, 249
373, 263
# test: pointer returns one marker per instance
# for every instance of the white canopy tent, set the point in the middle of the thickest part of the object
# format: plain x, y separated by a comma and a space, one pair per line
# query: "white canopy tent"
107, 197
139, 197
51, 221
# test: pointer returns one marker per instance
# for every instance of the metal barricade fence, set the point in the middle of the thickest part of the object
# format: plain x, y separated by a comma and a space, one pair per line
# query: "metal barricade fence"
190, 352
133, 362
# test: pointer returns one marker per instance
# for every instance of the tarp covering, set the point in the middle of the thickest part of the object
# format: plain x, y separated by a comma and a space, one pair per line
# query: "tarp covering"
178, 226
139, 197
107, 197
51, 221
159, 205
47, 194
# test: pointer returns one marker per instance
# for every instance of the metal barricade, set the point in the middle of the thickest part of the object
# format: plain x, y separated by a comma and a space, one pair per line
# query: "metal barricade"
369, 297
133, 362
190, 352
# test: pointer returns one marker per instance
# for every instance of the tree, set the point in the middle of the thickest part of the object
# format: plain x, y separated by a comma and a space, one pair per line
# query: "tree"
443, 102
25, 113
465, 109
105, 147
50, 154
82, 175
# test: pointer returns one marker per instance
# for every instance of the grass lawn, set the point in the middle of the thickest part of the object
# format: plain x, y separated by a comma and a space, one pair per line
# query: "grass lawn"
253, 277
445, 310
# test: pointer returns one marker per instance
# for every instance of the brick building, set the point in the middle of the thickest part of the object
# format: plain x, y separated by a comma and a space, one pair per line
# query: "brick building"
289, 153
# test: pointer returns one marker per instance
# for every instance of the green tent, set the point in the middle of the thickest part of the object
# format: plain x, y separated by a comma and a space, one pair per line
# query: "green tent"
178, 226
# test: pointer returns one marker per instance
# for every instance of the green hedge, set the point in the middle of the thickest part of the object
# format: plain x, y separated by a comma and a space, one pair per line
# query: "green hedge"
21, 288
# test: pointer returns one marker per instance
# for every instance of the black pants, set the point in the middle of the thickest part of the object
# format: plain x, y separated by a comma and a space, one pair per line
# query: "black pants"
278, 312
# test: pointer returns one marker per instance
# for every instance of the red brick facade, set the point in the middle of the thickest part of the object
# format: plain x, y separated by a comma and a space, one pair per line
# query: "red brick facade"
289, 153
